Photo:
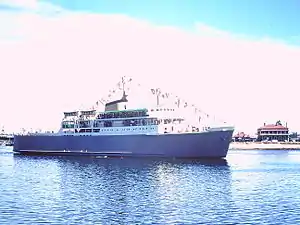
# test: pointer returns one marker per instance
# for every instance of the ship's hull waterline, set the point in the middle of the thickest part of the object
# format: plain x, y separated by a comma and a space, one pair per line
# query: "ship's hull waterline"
212, 144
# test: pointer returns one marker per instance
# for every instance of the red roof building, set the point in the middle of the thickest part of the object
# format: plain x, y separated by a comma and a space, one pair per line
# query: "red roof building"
241, 136
271, 132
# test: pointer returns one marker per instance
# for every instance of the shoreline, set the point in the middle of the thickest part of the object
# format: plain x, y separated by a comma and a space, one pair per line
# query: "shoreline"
263, 146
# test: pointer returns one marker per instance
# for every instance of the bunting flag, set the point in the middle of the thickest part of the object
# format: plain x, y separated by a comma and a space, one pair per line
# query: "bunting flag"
102, 101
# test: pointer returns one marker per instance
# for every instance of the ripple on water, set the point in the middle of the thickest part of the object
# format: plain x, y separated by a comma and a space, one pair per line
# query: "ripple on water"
254, 188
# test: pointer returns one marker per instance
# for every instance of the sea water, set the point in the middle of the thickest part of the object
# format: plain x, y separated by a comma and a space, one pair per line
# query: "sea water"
249, 187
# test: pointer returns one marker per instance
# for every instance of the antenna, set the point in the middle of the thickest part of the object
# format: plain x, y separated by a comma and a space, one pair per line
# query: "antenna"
123, 84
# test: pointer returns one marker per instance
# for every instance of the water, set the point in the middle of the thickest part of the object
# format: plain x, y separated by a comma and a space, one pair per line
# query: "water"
251, 187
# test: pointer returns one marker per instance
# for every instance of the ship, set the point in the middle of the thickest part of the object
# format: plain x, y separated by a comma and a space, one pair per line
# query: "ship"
119, 127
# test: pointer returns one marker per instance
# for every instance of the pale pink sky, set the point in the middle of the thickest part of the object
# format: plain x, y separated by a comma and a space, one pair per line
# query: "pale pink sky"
51, 62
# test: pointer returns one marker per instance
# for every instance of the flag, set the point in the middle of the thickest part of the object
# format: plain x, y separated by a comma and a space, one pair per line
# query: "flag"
153, 91
100, 101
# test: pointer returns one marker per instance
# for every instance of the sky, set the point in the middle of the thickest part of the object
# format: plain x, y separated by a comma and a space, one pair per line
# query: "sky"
237, 60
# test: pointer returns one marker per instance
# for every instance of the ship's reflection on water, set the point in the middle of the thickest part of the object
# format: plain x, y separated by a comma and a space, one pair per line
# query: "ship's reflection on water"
133, 190
77, 190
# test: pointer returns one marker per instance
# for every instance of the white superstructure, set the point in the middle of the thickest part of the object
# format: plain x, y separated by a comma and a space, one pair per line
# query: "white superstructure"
166, 114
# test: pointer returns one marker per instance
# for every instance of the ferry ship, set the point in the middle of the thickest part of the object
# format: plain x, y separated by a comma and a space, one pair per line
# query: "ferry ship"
168, 128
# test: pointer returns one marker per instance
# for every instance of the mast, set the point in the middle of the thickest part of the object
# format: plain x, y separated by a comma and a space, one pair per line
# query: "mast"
158, 92
123, 87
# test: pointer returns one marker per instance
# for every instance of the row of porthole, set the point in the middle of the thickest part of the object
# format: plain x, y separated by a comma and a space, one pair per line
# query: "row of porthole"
128, 129
123, 129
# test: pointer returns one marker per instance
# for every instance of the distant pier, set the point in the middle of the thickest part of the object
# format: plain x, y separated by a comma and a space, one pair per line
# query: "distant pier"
6, 137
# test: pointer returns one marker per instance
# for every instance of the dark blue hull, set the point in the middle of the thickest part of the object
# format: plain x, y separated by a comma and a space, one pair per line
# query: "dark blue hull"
212, 144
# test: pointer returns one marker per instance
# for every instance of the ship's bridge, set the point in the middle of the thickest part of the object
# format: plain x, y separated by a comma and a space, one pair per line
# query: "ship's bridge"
69, 120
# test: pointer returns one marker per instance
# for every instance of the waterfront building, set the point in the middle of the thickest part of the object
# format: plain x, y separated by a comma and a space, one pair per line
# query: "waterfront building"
273, 132
243, 137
